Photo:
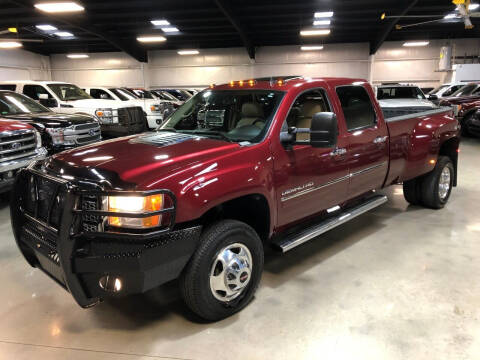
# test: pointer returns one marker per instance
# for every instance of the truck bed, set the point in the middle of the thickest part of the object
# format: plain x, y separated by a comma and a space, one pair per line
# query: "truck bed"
413, 142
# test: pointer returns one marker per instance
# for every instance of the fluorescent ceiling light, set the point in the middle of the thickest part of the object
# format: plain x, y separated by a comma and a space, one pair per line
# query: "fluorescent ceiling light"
416, 43
46, 27
324, 14
63, 34
170, 29
321, 22
154, 38
162, 22
315, 32
9, 44
77, 56
311, 47
450, 16
473, 6
188, 52
57, 7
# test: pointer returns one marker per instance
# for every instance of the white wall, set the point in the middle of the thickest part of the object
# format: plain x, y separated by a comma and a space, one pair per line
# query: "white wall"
393, 62
24, 65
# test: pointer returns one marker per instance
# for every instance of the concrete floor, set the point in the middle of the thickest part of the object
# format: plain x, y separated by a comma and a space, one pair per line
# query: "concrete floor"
400, 282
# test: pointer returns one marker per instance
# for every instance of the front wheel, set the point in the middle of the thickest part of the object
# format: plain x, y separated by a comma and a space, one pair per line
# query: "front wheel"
437, 185
224, 273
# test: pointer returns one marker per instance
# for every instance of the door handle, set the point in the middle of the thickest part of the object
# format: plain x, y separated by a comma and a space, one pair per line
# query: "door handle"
338, 152
380, 139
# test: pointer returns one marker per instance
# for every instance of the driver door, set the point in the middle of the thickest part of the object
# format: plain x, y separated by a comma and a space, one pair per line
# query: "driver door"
309, 180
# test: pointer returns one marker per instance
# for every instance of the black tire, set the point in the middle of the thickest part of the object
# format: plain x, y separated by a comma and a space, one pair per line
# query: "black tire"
195, 279
430, 184
412, 191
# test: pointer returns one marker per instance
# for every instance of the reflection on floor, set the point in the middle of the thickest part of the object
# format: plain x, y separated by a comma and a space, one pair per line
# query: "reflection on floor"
400, 282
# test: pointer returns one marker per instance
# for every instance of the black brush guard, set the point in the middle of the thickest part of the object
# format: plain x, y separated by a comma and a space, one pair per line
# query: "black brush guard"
54, 240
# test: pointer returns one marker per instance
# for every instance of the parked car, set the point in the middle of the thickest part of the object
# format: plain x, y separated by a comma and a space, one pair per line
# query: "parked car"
398, 99
115, 118
233, 170
163, 95
154, 109
443, 91
20, 145
59, 131
181, 95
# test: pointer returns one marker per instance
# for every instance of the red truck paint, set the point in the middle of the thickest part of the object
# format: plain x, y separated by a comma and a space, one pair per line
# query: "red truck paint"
203, 176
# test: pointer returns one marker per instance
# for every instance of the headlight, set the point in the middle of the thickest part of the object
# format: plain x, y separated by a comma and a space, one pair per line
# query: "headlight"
154, 108
38, 137
135, 205
56, 135
104, 115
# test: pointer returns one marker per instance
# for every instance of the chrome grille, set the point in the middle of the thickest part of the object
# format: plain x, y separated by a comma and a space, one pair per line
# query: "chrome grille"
90, 222
83, 134
86, 126
17, 144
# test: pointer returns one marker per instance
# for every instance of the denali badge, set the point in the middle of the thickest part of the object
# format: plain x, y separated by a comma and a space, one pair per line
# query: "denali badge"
298, 188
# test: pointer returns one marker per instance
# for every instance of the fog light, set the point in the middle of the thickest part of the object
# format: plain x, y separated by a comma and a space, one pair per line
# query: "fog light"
159, 121
110, 283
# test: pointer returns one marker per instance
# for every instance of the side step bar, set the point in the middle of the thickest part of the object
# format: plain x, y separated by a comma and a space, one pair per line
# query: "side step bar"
298, 239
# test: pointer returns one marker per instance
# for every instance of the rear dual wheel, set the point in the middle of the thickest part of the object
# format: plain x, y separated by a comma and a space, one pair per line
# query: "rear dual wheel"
432, 190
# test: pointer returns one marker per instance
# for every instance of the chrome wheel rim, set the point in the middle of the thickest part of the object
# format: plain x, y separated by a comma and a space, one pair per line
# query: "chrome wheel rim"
444, 183
231, 272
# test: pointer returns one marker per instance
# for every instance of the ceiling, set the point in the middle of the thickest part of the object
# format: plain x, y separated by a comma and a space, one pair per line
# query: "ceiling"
113, 25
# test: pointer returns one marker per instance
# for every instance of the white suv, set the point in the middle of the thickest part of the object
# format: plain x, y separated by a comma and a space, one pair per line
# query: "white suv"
115, 118
154, 109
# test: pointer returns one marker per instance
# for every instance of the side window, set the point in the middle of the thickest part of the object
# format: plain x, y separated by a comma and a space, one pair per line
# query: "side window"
303, 109
8, 87
477, 92
357, 107
34, 91
99, 94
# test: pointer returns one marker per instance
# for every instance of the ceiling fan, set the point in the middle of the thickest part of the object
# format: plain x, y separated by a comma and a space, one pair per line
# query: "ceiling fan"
14, 30
463, 13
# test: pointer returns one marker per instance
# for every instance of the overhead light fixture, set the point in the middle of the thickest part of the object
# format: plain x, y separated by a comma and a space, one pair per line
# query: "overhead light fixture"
473, 6
324, 14
162, 22
170, 29
321, 22
416, 43
450, 16
77, 56
46, 27
58, 7
63, 34
311, 47
315, 32
151, 39
10, 44
188, 52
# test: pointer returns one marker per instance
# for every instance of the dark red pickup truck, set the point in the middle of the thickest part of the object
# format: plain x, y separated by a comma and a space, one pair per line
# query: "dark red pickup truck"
465, 109
236, 168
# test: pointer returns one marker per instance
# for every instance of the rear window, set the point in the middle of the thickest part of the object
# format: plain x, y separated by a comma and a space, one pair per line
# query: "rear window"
8, 87
357, 107
400, 92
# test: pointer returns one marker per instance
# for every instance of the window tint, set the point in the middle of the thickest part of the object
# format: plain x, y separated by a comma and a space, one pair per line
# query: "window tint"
8, 87
34, 91
303, 109
357, 107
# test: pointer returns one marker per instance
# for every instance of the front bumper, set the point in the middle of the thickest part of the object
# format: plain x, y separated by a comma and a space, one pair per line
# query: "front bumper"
78, 259
12, 166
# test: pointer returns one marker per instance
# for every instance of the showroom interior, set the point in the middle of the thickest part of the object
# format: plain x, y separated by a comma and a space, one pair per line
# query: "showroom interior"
212, 179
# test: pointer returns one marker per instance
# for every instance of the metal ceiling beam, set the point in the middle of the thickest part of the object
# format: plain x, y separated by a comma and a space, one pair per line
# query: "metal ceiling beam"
389, 26
130, 47
227, 11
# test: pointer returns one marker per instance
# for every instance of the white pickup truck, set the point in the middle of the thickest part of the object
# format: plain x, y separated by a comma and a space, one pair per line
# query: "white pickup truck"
155, 109
116, 117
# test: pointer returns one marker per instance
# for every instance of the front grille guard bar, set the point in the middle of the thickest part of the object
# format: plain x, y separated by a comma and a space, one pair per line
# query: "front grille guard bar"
67, 239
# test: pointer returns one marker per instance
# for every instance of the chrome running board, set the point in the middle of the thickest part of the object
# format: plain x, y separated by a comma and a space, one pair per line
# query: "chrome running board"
298, 239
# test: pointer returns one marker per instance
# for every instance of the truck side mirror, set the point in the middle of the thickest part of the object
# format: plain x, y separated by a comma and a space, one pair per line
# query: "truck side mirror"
432, 97
324, 130
50, 103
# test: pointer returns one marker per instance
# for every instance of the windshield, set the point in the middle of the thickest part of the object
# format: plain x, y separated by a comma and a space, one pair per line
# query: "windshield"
68, 92
143, 94
400, 92
436, 90
465, 91
163, 95
14, 104
231, 115
123, 94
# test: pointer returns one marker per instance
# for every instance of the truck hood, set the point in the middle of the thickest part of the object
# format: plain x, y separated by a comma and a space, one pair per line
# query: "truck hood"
10, 125
96, 104
401, 103
139, 161
459, 100
54, 120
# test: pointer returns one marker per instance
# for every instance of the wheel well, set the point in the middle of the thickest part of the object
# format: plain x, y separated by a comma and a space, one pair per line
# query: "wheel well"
250, 209
450, 148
